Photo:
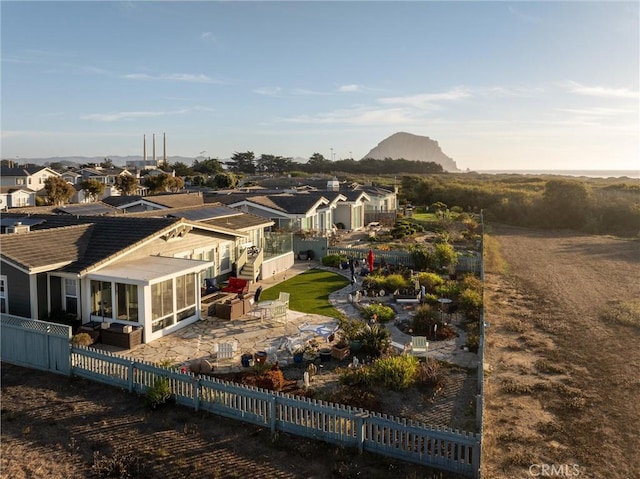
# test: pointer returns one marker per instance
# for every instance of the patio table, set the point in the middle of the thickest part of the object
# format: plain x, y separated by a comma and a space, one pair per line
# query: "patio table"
266, 307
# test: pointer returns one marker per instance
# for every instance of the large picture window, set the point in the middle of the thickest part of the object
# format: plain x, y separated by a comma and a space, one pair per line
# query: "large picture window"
101, 299
162, 305
127, 301
185, 296
71, 295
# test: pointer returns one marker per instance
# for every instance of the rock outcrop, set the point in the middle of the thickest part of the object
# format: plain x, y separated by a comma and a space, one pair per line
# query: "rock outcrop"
412, 147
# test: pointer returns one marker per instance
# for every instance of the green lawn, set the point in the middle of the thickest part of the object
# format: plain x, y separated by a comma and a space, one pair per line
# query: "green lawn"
424, 216
310, 291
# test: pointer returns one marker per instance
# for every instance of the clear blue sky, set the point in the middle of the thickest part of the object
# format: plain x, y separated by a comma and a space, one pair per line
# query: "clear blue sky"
500, 85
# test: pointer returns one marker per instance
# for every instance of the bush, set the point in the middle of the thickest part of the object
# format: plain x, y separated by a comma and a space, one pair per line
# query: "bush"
159, 393
424, 319
473, 336
333, 260
382, 312
430, 373
272, 380
122, 465
395, 372
375, 340
430, 281
471, 303
394, 282
81, 339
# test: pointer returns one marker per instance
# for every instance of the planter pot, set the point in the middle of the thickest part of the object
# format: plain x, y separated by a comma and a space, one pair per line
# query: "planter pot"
355, 345
261, 357
340, 353
297, 358
325, 355
246, 360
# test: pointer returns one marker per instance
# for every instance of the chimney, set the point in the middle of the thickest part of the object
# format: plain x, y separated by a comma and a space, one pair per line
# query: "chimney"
164, 148
155, 161
144, 147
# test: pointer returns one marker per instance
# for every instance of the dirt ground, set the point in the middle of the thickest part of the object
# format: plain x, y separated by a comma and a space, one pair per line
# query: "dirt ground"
56, 427
562, 388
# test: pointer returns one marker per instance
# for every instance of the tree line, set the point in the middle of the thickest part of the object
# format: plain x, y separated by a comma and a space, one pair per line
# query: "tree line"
590, 205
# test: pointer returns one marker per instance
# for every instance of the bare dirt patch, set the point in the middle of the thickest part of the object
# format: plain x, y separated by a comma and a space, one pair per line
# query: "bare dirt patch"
563, 387
53, 427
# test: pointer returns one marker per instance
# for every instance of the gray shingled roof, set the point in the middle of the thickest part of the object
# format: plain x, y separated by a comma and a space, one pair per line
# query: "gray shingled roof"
82, 241
176, 200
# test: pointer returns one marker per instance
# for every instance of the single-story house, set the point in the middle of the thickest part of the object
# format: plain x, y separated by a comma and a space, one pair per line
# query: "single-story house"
16, 197
137, 271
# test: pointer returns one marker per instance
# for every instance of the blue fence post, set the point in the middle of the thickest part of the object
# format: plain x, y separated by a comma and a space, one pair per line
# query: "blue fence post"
272, 413
196, 394
131, 374
360, 417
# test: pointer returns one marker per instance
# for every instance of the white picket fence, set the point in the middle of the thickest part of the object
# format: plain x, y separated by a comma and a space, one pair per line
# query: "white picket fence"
438, 447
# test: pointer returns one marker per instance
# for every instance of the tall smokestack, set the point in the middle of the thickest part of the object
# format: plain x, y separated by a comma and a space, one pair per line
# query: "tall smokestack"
164, 148
155, 161
144, 147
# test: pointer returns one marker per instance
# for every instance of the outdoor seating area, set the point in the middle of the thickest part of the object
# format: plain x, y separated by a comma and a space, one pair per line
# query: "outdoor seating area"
237, 285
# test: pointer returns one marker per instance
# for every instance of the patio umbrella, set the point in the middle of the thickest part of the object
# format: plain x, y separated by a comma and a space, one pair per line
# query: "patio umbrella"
370, 260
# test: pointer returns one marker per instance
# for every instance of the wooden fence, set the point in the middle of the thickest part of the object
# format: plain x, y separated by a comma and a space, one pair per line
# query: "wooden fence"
437, 447
35, 344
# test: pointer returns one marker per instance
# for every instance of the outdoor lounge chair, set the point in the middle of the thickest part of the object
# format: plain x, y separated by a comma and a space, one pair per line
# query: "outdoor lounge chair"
419, 346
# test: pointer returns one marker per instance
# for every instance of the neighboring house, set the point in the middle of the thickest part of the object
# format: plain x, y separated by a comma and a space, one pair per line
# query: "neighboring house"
381, 200
71, 177
133, 270
137, 203
317, 211
350, 211
290, 212
16, 197
107, 176
32, 177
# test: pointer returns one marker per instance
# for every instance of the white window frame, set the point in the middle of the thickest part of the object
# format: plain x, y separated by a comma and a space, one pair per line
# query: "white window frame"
65, 293
225, 246
4, 297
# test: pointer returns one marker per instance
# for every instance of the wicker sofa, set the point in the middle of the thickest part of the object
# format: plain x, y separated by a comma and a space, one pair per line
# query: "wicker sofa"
230, 309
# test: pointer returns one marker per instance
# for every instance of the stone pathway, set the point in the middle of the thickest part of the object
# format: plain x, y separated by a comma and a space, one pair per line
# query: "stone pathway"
249, 334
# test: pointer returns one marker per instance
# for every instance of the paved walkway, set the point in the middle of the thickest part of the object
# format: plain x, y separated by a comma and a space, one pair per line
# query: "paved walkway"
249, 334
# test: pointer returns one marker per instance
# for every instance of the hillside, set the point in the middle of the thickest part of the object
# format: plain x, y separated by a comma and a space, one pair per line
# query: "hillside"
414, 148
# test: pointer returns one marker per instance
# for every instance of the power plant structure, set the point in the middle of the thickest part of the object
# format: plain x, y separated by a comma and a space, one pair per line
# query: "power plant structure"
154, 163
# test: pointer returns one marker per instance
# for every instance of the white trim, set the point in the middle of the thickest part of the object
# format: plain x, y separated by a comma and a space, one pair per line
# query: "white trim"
4, 294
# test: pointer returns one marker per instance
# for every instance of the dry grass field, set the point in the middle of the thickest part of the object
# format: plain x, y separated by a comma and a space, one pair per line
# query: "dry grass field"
563, 379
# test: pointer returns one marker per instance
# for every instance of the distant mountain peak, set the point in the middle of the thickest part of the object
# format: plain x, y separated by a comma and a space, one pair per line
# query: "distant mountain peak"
412, 147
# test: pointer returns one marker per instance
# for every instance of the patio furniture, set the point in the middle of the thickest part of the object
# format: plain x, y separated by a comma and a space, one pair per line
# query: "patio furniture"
325, 330
279, 312
284, 298
119, 335
237, 285
93, 329
225, 351
271, 308
230, 309
208, 302
419, 346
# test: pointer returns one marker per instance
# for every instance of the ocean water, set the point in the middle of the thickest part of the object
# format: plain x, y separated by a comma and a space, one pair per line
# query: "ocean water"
585, 173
